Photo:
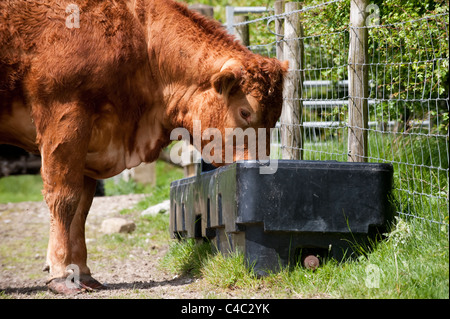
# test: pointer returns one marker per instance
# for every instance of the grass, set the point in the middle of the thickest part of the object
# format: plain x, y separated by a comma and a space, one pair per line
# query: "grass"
20, 188
186, 257
411, 263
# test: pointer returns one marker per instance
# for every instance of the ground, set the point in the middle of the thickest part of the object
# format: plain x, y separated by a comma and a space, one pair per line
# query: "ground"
23, 237
128, 264
134, 266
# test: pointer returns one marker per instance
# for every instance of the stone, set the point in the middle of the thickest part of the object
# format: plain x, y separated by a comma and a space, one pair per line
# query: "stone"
117, 225
160, 208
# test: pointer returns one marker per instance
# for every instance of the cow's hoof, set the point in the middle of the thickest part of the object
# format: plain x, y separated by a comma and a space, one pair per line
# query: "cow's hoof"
63, 286
90, 284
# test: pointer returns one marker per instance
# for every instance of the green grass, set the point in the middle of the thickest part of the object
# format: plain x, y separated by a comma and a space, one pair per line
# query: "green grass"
411, 263
405, 266
186, 257
20, 188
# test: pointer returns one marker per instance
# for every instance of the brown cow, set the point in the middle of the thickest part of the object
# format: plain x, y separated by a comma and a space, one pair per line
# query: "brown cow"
100, 94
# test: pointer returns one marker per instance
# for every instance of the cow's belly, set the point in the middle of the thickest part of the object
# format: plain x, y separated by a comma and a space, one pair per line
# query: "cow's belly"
100, 165
17, 127
109, 151
106, 150
115, 145
112, 158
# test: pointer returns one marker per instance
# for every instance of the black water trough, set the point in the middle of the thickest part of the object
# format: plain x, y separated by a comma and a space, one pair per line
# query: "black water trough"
305, 210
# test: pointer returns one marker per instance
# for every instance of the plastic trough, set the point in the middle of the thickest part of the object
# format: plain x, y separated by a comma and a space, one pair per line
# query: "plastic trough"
305, 209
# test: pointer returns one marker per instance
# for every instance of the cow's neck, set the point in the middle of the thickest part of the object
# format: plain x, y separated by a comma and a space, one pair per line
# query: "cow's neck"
186, 56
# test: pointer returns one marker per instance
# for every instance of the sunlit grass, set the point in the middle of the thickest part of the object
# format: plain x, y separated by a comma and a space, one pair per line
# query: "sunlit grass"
20, 188
411, 263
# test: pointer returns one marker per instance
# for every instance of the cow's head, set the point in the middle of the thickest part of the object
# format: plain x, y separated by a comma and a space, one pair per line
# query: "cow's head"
245, 100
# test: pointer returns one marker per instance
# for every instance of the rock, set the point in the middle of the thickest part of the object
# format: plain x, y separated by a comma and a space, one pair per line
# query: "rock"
160, 208
117, 225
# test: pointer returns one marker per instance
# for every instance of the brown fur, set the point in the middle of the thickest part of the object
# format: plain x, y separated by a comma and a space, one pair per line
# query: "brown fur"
104, 97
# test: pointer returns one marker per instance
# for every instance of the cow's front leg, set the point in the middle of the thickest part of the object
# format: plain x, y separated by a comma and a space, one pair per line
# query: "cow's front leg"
63, 140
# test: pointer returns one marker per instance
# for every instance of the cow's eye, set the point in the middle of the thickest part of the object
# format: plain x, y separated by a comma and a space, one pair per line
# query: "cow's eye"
244, 114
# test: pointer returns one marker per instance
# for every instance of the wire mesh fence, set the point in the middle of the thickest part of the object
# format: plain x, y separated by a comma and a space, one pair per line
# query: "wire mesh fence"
406, 101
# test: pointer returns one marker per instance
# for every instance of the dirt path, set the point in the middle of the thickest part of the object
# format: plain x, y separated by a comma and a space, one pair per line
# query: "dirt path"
23, 239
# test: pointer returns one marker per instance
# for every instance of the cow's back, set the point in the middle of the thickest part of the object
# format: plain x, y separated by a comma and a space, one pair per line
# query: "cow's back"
38, 46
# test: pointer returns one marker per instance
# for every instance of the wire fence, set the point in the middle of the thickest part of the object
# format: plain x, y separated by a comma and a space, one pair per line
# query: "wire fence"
405, 105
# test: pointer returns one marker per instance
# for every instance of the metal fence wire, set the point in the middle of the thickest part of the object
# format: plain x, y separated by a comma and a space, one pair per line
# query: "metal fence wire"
404, 101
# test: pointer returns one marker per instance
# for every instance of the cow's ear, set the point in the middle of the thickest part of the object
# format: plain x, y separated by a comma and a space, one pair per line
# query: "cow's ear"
225, 81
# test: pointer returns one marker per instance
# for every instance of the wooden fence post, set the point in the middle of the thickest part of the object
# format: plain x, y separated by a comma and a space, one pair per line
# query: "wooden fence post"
279, 29
291, 129
358, 83
242, 31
